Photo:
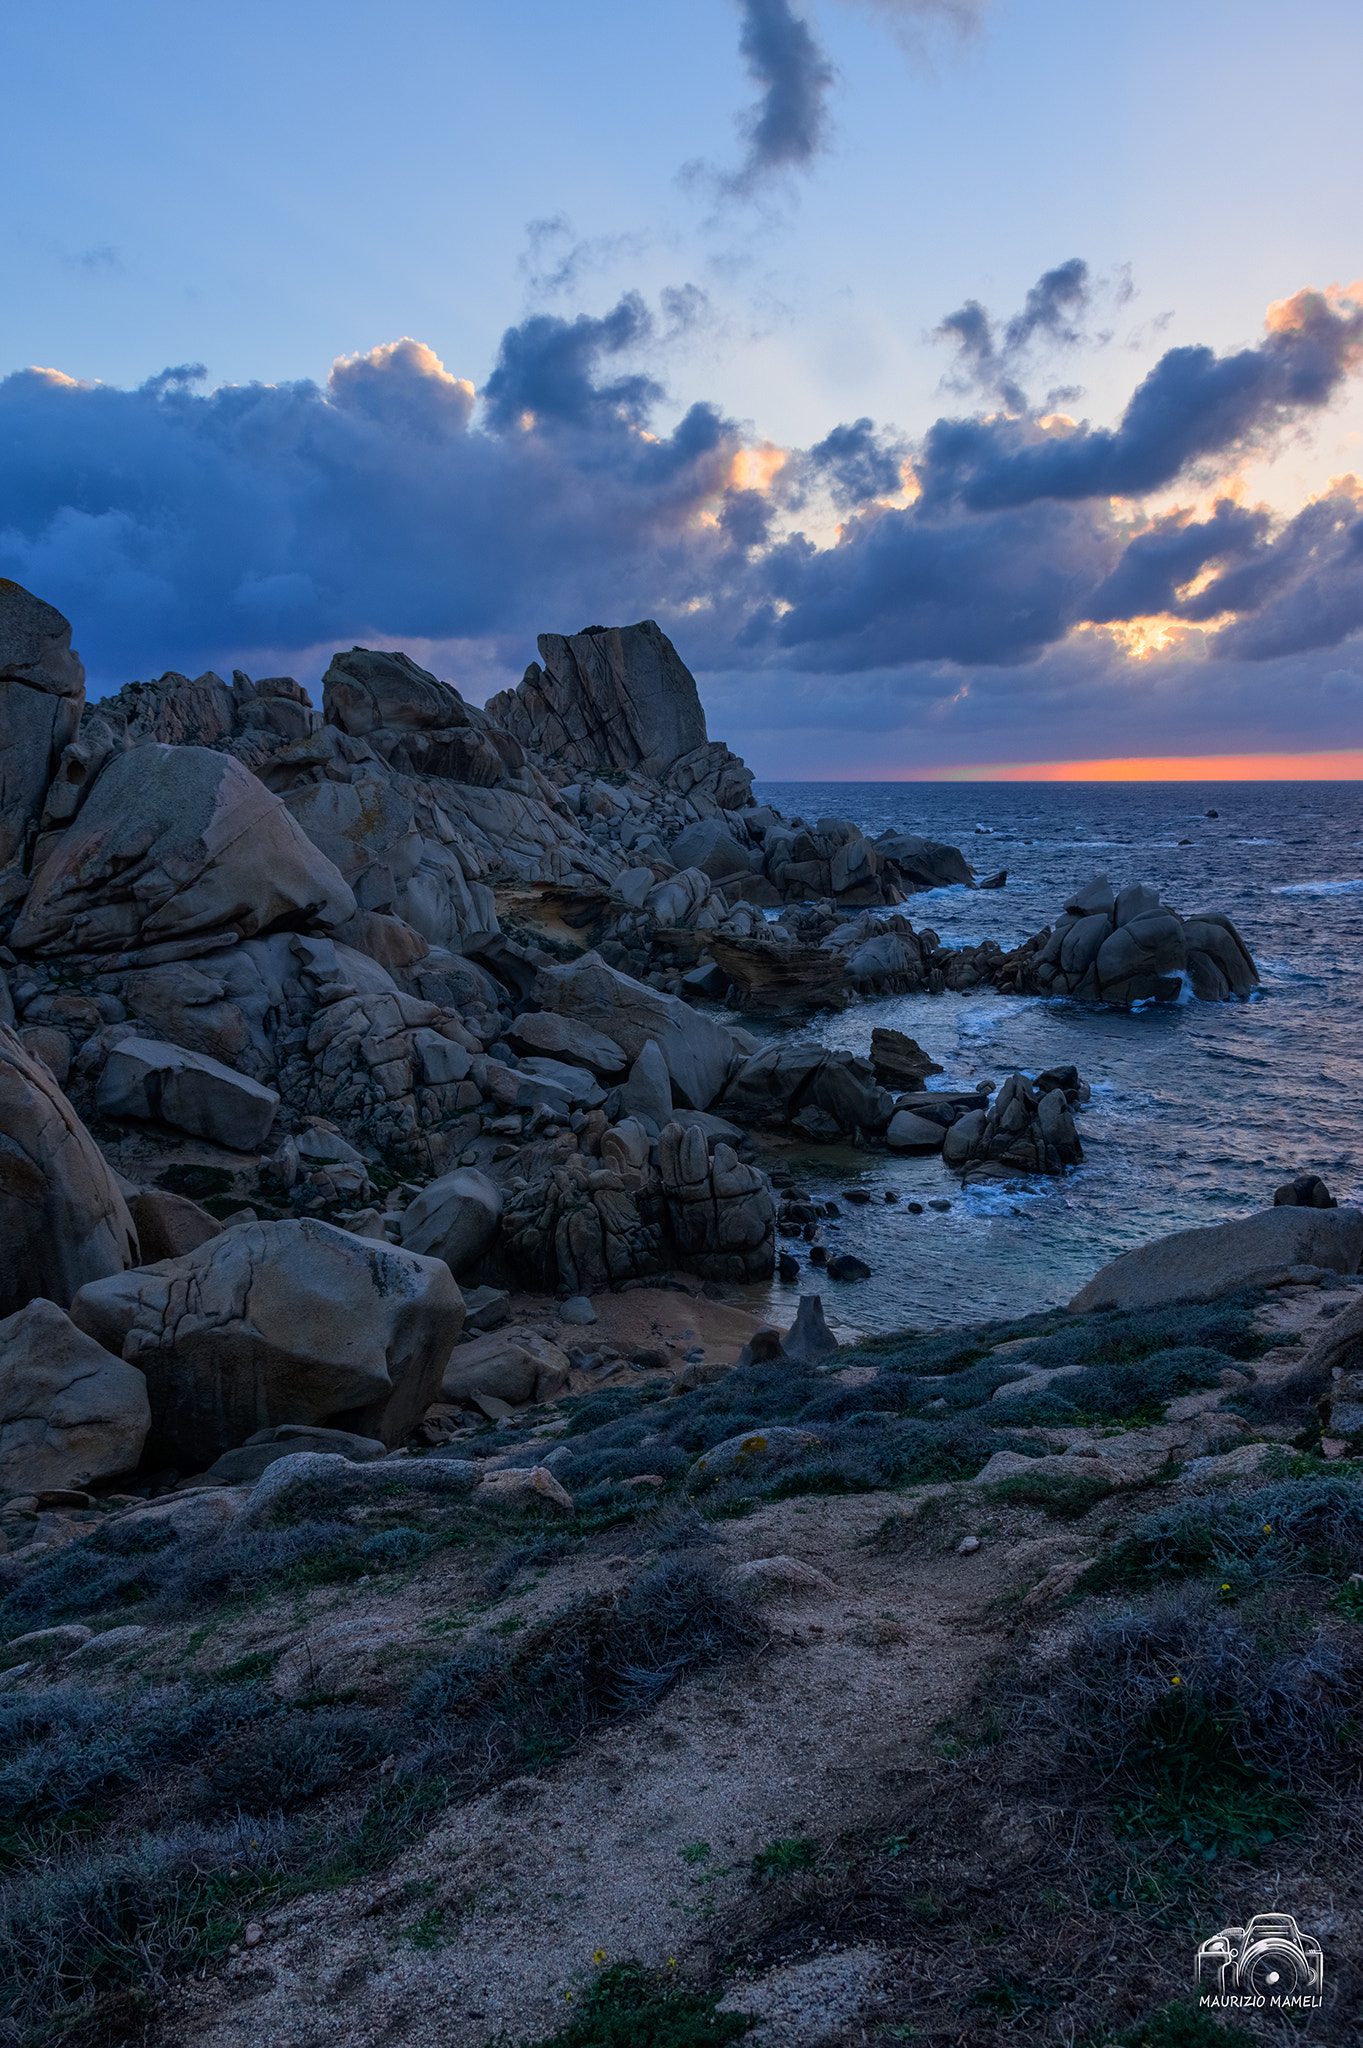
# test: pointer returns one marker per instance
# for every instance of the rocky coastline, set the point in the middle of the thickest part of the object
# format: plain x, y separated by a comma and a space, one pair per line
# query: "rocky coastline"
382, 1123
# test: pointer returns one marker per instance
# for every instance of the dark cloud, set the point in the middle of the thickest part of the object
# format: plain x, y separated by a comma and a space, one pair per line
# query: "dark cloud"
788, 126
858, 463
546, 369
1194, 404
988, 359
1172, 552
183, 527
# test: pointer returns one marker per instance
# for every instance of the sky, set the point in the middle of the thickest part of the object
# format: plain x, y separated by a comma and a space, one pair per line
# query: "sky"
969, 387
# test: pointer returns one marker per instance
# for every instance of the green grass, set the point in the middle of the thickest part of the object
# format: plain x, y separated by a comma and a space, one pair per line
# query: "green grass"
696, 1852
1195, 1786
783, 1858
1065, 1499
630, 2007
1178, 2025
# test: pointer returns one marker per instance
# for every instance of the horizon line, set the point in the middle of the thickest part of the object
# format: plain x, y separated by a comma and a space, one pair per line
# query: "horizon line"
1343, 764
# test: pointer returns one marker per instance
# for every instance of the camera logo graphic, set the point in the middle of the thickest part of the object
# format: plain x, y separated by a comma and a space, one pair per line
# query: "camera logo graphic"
1270, 1961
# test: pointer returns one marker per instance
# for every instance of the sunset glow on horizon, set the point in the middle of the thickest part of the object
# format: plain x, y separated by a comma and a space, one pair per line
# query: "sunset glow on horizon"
1343, 765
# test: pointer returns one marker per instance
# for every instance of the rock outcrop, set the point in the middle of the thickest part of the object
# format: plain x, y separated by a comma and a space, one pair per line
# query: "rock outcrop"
70, 1411
176, 851
1255, 1251
270, 1323
63, 1221
42, 691
621, 698
144, 1078
1027, 1128
1124, 946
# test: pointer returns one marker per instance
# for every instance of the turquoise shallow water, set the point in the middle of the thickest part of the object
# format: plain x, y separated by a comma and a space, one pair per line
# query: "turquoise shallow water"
1198, 1111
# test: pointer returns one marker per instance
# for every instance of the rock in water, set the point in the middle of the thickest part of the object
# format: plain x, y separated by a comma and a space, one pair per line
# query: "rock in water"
900, 1061
809, 1337
42, 691
1199, 1265
62, 1219
70, 1411
176, 850
163, 1083
291, 1322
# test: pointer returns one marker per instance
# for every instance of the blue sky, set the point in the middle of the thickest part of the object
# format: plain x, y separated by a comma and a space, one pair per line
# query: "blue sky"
652, 259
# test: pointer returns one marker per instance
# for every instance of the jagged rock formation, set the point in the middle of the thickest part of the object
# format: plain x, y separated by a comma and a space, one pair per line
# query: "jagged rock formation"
621, 698
1125, 946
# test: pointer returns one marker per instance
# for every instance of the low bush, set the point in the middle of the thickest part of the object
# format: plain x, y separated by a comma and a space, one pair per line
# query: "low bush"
279, 1763
78, 1927
1310, 1526
630, 2007
609, 1656
1200, 1731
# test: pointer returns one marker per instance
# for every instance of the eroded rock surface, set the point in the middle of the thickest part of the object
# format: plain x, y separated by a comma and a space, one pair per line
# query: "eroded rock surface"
270, 1323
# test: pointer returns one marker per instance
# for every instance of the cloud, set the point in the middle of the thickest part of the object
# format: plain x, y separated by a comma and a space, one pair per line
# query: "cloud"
988, 359
179, 526
912, 21
788, 126
1193, 404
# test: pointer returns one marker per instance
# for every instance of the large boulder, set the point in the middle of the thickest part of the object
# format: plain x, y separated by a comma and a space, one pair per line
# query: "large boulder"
42, 691
1198, 1265
615, 697
454, 1219
698, 1052
163, 1083
280, 1322
371, 689
1125, 946
70, 1411
177, 850
62, 1219
543, 1032
711, 847
925, 863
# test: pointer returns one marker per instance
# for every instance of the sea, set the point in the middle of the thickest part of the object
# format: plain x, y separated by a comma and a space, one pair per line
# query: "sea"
1198, 1110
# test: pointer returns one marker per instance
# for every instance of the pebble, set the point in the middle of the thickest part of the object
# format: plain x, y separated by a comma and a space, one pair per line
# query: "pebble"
576, 1309
939, 1204
966, 1545
915, 1208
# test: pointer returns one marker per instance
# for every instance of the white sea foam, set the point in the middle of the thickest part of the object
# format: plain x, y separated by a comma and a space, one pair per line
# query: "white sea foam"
1353, 887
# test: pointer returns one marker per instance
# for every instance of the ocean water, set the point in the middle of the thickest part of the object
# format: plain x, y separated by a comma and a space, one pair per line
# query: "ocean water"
1198, 1110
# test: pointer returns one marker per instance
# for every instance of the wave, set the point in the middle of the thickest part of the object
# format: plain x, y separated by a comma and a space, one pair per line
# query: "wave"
1353, 887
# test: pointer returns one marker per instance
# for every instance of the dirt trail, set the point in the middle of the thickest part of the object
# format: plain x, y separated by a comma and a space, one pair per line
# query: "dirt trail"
808, 1739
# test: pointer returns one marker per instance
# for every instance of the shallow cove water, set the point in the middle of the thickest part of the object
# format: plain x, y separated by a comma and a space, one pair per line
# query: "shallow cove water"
1198, 1111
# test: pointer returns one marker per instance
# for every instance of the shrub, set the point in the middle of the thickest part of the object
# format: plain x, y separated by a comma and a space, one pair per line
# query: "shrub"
1198, 1729
280, 1763
609, 1656
783, 1858
1303, 1526
630, 2007
1064, 1497
98, 1919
